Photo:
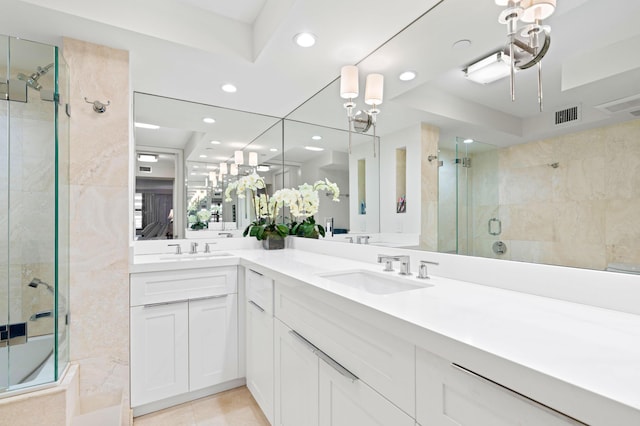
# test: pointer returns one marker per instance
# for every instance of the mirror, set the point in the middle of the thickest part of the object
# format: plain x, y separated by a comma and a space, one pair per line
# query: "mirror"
561, 186
180, 147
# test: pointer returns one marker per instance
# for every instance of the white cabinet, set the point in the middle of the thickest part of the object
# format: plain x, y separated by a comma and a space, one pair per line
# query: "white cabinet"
159, 351
449, 395
213, 341
296, 370
313, 389
259, 341
347, 401
184, 345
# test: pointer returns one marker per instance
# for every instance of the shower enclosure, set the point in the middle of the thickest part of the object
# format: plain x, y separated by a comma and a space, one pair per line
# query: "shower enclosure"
34, 195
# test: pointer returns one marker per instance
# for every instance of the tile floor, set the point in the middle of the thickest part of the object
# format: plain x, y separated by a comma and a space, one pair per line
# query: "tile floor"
235, 407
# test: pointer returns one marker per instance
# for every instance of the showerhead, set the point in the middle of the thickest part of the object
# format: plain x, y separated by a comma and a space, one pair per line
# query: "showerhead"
37, 281
32, 80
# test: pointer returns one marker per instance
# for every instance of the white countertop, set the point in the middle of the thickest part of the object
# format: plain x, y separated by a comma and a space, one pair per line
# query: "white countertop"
592, 348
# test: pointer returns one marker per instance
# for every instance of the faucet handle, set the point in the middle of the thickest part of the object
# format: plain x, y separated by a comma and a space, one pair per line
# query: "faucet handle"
350, 239
177, 246
422, 271
388, 261
194, 248
207, 249
364, 238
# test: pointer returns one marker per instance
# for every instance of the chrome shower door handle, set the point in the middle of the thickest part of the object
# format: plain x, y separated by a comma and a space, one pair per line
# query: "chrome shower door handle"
491, 226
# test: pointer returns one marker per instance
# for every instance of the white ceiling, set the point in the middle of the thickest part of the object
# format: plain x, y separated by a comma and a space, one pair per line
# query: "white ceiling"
241, 10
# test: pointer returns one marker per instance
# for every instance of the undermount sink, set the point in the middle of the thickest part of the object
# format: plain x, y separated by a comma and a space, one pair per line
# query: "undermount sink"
188, 256
373, 282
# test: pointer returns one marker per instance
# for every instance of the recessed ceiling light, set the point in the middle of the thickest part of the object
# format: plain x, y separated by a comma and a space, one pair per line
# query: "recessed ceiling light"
147, 126
193, 173
316, 137
407, 75
196, 167
208, 120
203, 156
305, 39
273, 149
229, 88
148, 158
313, 148
215, 142
461, 44
468, 140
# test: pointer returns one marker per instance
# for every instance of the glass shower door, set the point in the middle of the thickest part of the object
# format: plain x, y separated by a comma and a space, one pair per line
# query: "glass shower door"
4, 216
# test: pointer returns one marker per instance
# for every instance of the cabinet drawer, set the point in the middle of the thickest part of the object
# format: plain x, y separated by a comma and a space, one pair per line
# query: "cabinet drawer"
166, 286
450, 395
383, 361
260, 290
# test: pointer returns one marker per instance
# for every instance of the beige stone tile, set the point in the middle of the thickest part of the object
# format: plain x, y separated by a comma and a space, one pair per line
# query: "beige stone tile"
622, 226
181, 415
526, 185
527, 155
582, 179
580, 222
578, 255
528, 222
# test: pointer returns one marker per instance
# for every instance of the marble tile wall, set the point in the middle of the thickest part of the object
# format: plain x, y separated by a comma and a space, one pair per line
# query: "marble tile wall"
580, 213
99, 215
430, 135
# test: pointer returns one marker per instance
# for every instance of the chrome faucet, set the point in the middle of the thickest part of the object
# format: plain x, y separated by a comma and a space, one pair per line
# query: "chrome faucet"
422, 270
361, 238
405, 265
207, 247
178, 248
350, 239
388, 261
194, 248
227, 234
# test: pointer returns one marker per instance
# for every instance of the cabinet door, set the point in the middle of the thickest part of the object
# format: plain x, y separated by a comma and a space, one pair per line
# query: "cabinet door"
296, 371
213, 341
452, 396
159, 352
346, 401
259, 335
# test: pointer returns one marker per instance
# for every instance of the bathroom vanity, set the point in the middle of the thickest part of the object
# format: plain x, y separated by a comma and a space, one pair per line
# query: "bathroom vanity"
402, 351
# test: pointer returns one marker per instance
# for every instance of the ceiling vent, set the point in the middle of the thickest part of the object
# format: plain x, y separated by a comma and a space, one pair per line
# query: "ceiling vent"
621, 105
145, 169
568, 115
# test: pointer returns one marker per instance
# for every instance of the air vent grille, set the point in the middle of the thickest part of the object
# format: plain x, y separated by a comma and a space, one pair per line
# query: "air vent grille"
145, 169
567, 115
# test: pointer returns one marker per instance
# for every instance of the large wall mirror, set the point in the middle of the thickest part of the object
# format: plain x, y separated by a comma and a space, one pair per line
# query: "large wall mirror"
464, 169
186, 156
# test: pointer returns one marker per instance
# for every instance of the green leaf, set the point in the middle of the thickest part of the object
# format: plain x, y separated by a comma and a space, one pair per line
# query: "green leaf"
246, 231
254, 231
260, 234
321, 230
283, 230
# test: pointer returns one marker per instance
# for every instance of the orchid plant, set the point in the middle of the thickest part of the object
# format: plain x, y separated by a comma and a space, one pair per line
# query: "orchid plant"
307, 204
200, 220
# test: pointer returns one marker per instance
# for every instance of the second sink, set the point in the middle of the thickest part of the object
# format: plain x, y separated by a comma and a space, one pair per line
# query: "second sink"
373, 282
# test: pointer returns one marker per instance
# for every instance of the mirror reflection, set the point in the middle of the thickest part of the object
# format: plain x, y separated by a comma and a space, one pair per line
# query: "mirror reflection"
186, 155
492, 177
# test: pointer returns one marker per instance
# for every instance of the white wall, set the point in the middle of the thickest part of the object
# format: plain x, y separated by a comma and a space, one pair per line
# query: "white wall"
370, 222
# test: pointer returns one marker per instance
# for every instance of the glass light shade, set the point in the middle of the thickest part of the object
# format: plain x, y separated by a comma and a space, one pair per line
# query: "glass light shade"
238, 157
349, 82
489, 69
253, 159
537, 9
223, 169
373, 91
213, 178
234, 170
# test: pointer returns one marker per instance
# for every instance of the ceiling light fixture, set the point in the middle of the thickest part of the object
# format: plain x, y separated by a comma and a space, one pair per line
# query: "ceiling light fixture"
203, 156
305, 39
316, 137
238, 157
234, 169
361, 121
273, 149
229, 88
313, 148
407, 76
223, 169
263, 168
529, 44
148, 158
208, 120
215, 142
487, 70
468, 140
147, 126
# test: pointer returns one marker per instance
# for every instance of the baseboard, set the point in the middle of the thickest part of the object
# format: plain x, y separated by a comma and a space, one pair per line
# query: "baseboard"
186, 397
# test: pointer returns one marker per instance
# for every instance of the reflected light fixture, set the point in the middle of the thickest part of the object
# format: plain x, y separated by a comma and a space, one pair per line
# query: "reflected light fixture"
304, 39
234, 169
223, 169
148, 158
203, 156
361, 121
313, 148
215, 142
253, 159
208, 120
273, 149
407, 76
487, 70
147, 126
529, 44
263, 168
238, 157
229, 88
468, 140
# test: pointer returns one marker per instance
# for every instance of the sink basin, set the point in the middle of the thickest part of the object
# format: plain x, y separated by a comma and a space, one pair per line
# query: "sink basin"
374, 282
187, 256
